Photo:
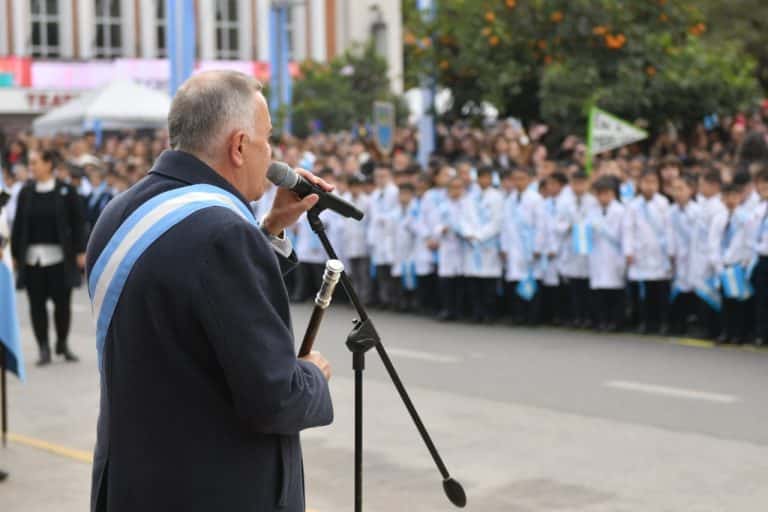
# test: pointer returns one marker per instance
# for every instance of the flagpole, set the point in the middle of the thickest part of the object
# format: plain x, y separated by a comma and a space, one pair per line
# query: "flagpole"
3, 396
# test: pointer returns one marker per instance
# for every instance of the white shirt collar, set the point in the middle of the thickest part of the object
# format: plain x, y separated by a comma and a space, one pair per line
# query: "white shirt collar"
45, 186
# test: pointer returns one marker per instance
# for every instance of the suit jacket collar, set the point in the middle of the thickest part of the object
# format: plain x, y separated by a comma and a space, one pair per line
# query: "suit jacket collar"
187, 168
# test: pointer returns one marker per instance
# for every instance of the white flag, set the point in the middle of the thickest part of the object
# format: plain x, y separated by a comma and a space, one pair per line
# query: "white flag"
607, 132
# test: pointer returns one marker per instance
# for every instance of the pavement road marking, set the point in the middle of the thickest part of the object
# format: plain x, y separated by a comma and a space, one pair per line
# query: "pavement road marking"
689, 394
70, 453
423, 356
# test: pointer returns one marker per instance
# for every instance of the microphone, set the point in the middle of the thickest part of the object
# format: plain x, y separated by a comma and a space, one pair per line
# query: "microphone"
283, 176
331, 276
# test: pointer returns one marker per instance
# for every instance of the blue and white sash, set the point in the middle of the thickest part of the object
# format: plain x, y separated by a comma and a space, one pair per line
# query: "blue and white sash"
582, 238
527, 287
137, 233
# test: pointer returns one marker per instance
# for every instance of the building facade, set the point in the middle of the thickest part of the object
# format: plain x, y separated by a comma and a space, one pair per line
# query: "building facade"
233, 30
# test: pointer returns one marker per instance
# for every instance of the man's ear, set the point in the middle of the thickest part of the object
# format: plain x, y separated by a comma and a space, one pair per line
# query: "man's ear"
236, 145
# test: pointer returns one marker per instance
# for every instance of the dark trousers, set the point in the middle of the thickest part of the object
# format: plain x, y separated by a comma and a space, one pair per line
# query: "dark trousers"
523, 311
427, 294
482, 297
578, 301
360, 275
734, 315
608, 308
682, 308
385, 286
451, 295
653, 304
709, 319
45, 283
760, 283
551, 300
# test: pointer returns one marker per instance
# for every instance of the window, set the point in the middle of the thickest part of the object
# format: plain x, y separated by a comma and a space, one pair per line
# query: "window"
44, 16
227, 37
109, 33
162, 51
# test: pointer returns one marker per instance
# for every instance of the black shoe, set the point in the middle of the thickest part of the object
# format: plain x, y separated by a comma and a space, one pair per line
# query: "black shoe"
62, 349
722, 340
45, 357
759, 342
3, 476
446, 316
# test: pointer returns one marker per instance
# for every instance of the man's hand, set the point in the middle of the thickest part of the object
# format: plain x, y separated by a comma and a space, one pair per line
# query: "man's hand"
630, 259
81, 261
318, 360
287, 207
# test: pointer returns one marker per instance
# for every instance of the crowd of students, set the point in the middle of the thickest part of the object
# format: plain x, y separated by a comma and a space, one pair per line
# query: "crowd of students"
506, 225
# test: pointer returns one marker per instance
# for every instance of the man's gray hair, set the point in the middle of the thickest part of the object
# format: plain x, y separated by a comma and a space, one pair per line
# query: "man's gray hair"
210, 106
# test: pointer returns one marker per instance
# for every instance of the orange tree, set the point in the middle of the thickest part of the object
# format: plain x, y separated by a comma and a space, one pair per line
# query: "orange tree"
552, 59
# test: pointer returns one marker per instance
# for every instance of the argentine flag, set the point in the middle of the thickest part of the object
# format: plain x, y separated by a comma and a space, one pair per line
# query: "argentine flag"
709, 293
735, 283
9, 325
582, 238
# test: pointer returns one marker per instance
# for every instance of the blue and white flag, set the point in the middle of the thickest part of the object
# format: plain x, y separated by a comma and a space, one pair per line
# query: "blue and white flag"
9, 323
180, 41
735, 283
710, 294
582, 238
527, 287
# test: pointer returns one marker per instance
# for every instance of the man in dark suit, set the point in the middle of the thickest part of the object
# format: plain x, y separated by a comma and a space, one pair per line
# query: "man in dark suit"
202, 396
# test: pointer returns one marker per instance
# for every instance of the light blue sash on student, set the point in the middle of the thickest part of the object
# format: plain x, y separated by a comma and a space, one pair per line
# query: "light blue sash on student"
709, 293
408, 277
735, 283
526, 288
582, 238
658, 231
136, 234
627, 191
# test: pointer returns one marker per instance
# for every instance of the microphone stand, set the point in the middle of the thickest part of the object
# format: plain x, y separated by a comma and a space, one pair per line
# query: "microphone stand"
361, 339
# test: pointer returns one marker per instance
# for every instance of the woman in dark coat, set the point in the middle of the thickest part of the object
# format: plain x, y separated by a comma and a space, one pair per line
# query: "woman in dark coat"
48, 248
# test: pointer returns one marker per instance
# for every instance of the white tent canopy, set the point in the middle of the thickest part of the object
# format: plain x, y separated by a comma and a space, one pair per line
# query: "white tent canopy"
121, 105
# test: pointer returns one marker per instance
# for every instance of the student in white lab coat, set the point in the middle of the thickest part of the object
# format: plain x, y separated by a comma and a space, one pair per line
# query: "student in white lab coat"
429, 217
759, 236
482, 266
730, 249
606, 261
548, 246
312, 258
450, 232
573, 258
423, 256
518, 235
355, 241
648, 250
683, 217
403, 266
383, 203
702, 273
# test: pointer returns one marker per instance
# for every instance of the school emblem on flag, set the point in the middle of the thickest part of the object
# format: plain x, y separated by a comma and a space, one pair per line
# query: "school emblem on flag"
384, 125
606, 132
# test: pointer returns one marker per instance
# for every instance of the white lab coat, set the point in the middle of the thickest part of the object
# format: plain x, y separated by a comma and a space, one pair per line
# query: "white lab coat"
547, 242
758, 229
483, 215
261, 207
354, 232
607, 264
571, 211
309, 249
683, 223
647, 238
423, 257
405, 241
700, 262
518, 234
450, 233
730, 250
380, 229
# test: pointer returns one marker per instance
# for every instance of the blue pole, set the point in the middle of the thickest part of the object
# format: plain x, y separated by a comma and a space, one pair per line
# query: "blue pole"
180, 41
427, 122
287, 82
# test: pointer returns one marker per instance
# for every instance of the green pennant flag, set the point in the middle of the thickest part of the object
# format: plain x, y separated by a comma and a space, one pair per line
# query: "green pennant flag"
606, 132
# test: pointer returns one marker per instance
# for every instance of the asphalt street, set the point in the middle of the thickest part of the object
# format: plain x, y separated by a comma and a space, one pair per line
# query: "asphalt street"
527, 419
